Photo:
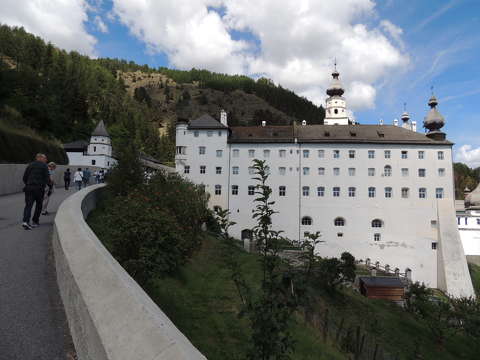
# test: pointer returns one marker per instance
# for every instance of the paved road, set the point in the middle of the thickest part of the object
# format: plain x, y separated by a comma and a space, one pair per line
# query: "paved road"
32, 319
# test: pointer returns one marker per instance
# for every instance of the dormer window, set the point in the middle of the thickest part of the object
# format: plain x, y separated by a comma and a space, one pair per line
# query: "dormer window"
327, 133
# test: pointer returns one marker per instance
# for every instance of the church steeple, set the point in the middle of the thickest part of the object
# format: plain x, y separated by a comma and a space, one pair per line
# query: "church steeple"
405, 117
336, 107
434, 121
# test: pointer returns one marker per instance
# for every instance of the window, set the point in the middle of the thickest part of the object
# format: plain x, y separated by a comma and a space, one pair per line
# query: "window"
321, 171
336, 154
234, 189
339, 221
321, 154
434, 246
478, 221
440, 155
421, 155
422, 193
351, 192
439, 193
218, 170
236, 153
441, 172
307, 220
266, 153
218, 189
371, 171
219, 133
371, 192
336, 191
321, 191
387, 170
306, 234
405, 193
209, 133
282, 153
404, 172
351, 154
93, 163
376, 237
201, 150
371, 154
404, 154
196, 133
219, 153
203, 169
421, 172
351, 171
336, 171
282, 170
339, 234
306, 191
186, 169
251, 190
377, 223
306, 154
388, 192
235, 170
388, 154
95, 149
282, 190
433, 223
251, 170
251, 153
306, 171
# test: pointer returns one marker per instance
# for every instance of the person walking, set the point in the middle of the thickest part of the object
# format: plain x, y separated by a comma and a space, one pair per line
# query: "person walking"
78, 178
86, 177
67, 177
35, 179
50, 187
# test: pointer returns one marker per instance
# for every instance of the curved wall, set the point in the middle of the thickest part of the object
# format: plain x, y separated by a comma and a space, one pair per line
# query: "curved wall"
109, 314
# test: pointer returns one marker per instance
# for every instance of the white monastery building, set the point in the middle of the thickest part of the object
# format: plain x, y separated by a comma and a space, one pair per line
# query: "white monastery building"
468, 221
380, 192
96, 153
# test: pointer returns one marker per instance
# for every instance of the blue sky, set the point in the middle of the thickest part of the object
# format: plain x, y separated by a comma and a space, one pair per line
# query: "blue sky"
390, 52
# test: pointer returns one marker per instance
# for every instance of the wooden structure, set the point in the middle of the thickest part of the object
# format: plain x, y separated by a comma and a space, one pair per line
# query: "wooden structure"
382, 287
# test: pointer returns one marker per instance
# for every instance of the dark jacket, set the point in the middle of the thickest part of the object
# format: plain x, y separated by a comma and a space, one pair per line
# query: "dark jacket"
67, 175
36, 175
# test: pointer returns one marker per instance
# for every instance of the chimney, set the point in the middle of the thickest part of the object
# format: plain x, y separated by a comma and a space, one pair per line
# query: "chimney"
223, 117
304, 122
395, 122
264, 123
381, 121
414, 125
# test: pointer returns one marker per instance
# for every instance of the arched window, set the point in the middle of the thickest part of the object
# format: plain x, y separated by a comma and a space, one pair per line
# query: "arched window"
339, 221
377, 223
387, 170
306, 220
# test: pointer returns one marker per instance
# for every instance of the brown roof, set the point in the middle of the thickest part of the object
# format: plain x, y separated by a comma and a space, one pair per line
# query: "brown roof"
381, 281
368, 134
205, 122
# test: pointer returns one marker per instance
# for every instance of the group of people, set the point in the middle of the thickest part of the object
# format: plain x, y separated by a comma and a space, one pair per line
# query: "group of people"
40, 183
82, 178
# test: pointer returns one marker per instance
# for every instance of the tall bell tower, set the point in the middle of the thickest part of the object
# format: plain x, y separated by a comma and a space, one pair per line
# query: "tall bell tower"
336, 106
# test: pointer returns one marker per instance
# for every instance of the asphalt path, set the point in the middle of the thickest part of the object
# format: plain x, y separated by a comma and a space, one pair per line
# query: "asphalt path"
33, 325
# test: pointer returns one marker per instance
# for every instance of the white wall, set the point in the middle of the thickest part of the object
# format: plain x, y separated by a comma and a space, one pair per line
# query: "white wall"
469, 228
81, 160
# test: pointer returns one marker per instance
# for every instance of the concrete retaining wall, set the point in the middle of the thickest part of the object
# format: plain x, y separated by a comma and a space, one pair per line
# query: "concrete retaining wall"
11, 176
109, 315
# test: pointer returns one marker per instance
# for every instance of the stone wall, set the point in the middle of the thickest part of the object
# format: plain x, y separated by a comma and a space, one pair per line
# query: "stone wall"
109, 315
11, 176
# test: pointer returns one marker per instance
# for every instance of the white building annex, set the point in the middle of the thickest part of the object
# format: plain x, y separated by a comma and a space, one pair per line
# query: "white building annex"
382, 192
468, 220
98, 152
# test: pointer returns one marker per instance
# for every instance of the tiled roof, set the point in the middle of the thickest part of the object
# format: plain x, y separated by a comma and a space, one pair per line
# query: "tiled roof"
388, 134
382, 281
76, 145
205, 122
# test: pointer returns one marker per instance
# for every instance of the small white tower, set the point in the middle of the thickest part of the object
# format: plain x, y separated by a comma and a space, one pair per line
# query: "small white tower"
100, 142
223, 117
336, 107
405, 118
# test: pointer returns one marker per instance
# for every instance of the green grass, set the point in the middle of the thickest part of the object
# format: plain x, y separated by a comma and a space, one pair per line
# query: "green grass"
475, 275
202, 302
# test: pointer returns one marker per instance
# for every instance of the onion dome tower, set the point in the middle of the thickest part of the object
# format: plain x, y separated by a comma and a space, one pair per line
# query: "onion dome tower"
434, 121
336, 107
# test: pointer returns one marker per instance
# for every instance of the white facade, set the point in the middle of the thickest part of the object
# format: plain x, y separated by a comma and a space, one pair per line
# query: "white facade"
469, 228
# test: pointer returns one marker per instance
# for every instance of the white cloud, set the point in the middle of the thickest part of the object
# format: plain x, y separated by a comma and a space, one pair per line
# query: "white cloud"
296, 41
468, 155
101, 26
59, 21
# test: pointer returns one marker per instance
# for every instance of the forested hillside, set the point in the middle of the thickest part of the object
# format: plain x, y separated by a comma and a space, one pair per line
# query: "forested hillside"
464, 177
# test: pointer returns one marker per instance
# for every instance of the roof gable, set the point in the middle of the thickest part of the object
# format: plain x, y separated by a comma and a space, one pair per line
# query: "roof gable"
100, 130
